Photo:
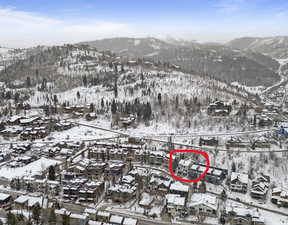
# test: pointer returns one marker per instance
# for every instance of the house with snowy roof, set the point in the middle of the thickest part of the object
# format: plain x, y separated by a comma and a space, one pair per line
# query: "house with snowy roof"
128, 179
175, 204
156, 157
259, 190
91, 212
179, 188
214, 175
139, 172
14, 120
280, 196
130, 221
146, 201
219, 108
121, 192
239, 182
115, 168
91, 191
260, 187
117, 220
91, 116
159, 184
202, 203
235, 142
76, 218
29, 202
103, 216
240, 215
5, 200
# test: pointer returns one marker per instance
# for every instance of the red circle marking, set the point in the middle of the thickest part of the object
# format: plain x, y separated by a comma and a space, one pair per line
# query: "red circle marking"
204, 154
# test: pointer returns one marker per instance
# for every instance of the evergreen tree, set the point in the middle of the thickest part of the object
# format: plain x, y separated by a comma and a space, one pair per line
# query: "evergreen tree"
102, 103
43, 84
28, 82
55, 99
16, 97
159, 99
176, 102
85, 81
233, 167
113, 107
115, 88
142, 80
147, 112
51, 173
91, 107
78, 95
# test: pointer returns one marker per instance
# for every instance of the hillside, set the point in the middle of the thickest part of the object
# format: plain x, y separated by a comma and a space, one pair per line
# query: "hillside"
276, 47
80, 75
222, 62
9, 56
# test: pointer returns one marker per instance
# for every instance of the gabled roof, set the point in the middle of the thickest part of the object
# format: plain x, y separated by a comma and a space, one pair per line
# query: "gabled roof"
243, 178
175, 200
177, 186
4, 196
204, 199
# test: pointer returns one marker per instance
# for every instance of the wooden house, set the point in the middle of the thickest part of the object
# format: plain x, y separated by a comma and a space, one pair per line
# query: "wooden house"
203, 204
239, 182
5, 201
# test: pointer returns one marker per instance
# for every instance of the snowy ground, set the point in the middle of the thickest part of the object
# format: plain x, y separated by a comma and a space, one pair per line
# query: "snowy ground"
30, 169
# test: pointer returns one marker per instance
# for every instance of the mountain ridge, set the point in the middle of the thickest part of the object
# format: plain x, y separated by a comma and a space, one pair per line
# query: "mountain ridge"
220, 61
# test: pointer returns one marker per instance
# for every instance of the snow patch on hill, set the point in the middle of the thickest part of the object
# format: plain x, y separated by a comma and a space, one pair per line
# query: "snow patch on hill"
30, 169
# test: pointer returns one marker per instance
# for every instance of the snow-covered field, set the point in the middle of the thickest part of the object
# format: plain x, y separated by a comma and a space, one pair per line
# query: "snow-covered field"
30, 169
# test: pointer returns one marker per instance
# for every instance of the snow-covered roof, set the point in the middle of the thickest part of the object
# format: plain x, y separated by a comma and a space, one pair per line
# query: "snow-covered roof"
184, 163
177, 186
4, 196
30, 199
116, 219
243, 178
29, 120
123, 188
175, 200
146, 200
78, 216
204, 199
129, 221
103, 214
90, 211
128, 179
91, 222
62, 211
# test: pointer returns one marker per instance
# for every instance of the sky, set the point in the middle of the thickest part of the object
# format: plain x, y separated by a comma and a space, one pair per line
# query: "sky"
26, 23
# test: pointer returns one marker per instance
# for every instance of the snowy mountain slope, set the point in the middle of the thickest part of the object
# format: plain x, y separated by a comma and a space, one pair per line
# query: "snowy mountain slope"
66, 65
219, 61
9, 56
276, 47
